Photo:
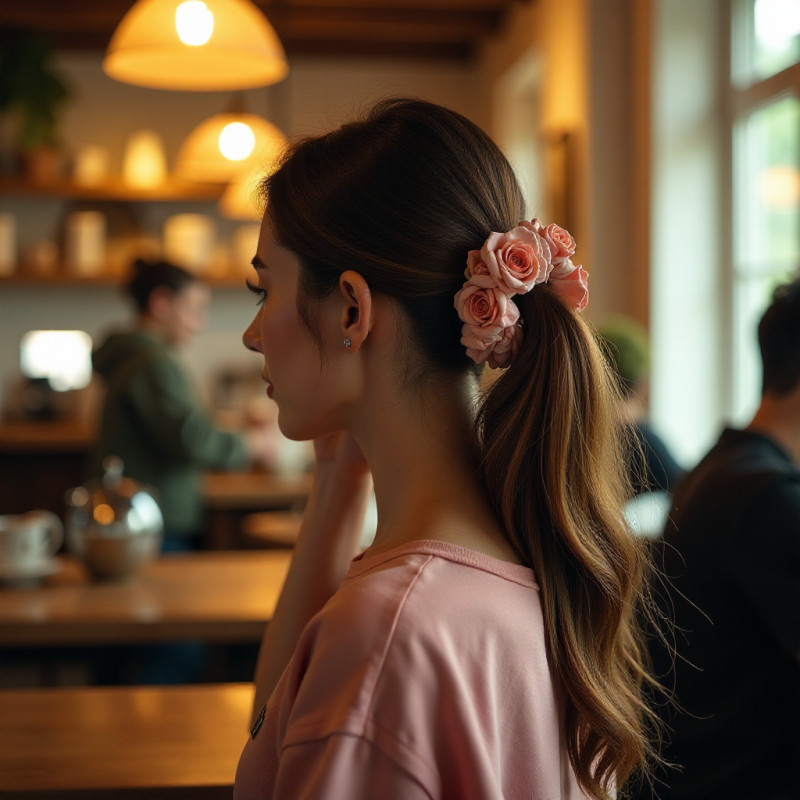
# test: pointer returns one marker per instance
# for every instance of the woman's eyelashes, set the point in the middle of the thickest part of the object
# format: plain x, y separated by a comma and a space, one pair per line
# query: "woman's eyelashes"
258, 291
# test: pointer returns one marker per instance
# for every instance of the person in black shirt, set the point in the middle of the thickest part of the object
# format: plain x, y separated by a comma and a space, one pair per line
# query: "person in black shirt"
731, 559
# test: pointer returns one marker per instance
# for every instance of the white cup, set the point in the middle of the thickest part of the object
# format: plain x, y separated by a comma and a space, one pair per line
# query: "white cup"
28, 541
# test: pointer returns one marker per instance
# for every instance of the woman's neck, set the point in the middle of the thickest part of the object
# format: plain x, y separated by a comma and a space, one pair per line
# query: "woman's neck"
420, 450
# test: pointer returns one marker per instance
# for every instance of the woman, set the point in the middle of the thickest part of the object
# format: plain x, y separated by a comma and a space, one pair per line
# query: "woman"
485, 645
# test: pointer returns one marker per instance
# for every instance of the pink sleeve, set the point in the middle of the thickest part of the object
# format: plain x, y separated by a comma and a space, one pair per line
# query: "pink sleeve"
343, 766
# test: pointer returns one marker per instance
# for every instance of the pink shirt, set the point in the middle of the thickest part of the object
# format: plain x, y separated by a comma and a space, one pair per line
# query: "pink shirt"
424, 676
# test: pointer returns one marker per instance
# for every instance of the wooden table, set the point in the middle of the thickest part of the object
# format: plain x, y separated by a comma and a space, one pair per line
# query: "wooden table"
212, 597
143, 743
230, 496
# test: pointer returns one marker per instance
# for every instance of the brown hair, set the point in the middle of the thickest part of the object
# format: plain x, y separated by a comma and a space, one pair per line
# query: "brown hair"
147, 276
779, 340
401, 197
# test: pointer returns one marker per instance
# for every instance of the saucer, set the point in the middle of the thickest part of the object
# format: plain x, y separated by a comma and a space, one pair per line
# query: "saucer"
27, 574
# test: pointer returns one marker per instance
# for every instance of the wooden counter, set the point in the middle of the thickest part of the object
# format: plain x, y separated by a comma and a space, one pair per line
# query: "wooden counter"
211, 597
51, 436
39, 461
142, 743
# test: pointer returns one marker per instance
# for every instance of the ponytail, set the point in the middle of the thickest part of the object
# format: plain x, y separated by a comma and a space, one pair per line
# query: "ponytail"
552, 450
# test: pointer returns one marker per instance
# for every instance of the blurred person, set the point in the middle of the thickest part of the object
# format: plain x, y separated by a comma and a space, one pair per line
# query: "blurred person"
732, 550
151, 416
154, 421
486, 644
626, 347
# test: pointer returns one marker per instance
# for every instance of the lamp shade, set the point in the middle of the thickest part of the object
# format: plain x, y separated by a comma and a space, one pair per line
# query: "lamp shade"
195, 45
225, 145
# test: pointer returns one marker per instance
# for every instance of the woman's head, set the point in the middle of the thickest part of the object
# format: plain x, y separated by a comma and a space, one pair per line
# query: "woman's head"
400, 198
169, 299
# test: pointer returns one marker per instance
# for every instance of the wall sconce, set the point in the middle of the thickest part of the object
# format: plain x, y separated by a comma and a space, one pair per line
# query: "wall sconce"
195, 45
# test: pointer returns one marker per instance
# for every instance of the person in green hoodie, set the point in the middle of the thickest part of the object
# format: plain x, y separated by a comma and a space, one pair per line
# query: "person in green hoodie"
151, 417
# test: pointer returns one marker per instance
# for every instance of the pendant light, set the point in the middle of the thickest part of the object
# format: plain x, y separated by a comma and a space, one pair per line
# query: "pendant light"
195, 45
227, 144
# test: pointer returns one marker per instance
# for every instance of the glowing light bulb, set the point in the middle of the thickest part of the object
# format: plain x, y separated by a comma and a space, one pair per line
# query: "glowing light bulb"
236, 141
194, 22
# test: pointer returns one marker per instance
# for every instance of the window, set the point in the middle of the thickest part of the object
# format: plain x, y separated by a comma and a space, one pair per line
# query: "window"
765, 76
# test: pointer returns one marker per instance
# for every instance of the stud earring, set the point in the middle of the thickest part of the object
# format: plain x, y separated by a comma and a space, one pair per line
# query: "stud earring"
348, 341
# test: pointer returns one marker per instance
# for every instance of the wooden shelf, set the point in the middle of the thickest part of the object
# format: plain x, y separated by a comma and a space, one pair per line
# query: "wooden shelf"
171, 191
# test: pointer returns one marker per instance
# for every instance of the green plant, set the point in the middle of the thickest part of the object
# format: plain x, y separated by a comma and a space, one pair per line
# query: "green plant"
31, 90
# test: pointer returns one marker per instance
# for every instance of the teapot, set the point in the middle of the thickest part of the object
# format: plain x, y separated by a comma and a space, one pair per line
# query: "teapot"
113, 523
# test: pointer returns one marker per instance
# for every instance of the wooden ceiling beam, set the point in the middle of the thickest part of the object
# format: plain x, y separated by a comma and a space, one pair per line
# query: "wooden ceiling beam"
406, 28
436, 51
385, 25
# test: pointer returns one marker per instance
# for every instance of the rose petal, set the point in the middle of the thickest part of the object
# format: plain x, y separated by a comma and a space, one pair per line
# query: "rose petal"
475, 264
506, 348
562, 268
477, 337
479, 356
574, 288
562, 245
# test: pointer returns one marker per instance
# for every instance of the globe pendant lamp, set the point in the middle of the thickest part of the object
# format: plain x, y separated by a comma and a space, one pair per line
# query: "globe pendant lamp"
227, 144
195, 45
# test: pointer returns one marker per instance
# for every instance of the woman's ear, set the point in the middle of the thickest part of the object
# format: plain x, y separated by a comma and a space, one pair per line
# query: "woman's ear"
356, 309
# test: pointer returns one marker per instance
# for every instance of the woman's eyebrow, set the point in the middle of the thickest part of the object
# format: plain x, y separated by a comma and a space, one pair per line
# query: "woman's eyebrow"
258, 263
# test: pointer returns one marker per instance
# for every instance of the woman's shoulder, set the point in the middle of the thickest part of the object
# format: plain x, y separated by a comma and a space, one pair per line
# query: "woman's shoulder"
418, 601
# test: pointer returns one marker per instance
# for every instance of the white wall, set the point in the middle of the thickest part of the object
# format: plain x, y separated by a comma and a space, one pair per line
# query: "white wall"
578, 63
687, 226
318, 94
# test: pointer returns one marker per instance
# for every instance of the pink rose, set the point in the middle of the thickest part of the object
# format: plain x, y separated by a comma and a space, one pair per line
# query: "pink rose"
479, 341
505, 348
517, 260
563, 268
534, 225
481, 303
475, 265
573, 287
562, 245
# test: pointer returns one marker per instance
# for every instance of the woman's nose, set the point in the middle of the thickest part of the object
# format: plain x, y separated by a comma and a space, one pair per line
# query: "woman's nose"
251, 337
